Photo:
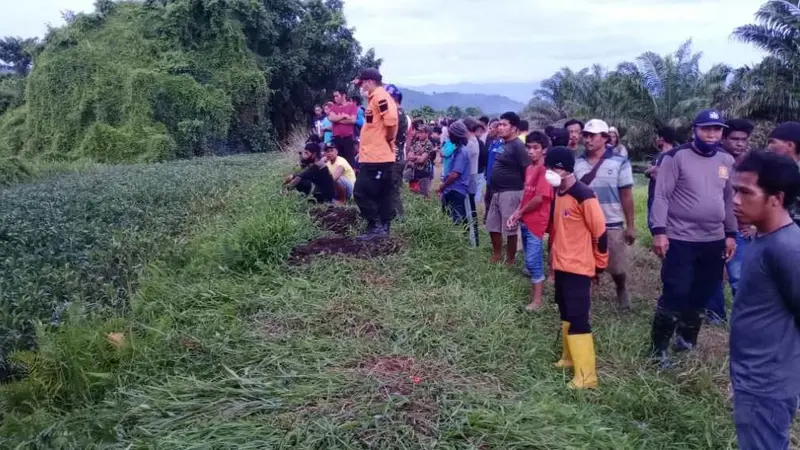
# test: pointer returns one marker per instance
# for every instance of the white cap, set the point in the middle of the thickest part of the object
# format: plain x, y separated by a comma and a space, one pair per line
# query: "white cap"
595, 126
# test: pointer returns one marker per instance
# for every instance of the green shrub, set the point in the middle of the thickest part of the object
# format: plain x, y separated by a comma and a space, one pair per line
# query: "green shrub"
86, 237
112, 88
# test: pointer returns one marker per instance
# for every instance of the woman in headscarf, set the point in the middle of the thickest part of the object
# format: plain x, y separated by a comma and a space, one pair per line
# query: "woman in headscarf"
615, 144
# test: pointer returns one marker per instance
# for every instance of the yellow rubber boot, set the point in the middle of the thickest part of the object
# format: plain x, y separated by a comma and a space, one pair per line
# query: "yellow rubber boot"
581, 347
566, 359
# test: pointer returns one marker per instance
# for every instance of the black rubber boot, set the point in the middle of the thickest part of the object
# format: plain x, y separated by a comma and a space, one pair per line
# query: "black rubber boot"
664, 323
687, 331
374, 231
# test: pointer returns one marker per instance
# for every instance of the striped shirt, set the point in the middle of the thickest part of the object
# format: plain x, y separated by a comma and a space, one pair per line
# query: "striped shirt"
614, 174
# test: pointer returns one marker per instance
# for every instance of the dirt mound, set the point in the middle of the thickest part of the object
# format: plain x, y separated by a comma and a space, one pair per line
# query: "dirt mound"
336, 219
347, 246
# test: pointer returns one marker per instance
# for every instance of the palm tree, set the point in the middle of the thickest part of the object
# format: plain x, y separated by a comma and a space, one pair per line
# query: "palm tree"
778, 30
771, 89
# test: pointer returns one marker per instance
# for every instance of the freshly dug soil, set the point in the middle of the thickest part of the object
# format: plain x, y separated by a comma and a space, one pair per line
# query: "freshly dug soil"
341, 245
336, 219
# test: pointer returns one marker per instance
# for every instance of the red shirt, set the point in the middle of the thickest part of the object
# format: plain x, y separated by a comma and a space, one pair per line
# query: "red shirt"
536, 185
344, 129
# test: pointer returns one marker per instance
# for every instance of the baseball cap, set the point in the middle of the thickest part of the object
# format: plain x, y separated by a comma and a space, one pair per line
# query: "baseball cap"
394, 92
370, 74
595, 126
612, 130
457, 129
787, 131
709, 118
560, 158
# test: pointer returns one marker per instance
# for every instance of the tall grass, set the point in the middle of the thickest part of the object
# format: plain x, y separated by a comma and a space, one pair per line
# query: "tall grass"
230, 347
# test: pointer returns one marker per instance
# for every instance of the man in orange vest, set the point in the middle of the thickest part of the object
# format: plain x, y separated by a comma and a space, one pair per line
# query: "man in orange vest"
373, 190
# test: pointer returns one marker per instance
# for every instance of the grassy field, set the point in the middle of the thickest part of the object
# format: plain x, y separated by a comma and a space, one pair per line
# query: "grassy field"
229, 346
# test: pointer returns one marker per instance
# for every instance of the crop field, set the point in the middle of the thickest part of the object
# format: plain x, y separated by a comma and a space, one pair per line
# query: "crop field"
237, 330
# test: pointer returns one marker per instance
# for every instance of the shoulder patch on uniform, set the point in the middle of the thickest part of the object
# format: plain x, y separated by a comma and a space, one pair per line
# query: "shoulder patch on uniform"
581, 192
383, 105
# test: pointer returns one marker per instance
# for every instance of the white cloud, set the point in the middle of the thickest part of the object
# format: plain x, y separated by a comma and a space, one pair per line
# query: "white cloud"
449, 41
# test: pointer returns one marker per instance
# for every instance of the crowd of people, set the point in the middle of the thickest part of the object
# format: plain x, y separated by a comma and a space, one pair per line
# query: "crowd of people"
714, 205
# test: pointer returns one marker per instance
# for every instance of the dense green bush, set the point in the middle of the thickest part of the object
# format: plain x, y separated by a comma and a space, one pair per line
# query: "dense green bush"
121, 87
86, 237
164, 79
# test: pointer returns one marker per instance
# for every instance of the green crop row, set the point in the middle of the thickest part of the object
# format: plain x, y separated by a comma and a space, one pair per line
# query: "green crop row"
86, 237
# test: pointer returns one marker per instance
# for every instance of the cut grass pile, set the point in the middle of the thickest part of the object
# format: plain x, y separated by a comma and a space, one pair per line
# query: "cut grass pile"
230, 346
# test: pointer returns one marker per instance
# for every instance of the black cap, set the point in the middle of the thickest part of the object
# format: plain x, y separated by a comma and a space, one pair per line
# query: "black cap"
370, 74
559, 137
560, 158
787, 131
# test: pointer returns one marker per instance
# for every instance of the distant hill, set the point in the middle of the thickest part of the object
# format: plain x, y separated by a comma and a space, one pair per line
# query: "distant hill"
521, 92
440, 101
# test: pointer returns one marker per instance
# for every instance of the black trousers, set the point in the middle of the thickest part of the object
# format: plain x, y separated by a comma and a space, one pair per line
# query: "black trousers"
347, 149
373, 192
574, 299
690, 275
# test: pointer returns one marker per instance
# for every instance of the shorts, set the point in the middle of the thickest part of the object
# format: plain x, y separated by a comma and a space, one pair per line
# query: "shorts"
617, 252
348, 186
502, 206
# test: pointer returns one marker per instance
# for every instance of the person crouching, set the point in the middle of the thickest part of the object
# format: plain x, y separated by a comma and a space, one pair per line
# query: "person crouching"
314, 179
344, 177
578, 253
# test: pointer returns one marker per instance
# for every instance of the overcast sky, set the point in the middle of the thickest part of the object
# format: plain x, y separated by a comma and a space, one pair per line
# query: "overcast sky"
448, 41
451, 41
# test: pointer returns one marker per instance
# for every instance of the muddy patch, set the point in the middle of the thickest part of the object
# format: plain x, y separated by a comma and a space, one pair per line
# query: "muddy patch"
336, 219
345, 246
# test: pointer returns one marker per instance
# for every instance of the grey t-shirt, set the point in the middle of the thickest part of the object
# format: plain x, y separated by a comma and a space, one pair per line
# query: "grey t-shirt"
765, 338
473, 150
694, 196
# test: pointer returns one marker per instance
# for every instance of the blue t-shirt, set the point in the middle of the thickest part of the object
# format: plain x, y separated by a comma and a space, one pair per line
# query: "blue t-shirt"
459, 164
495, 148
327, 135
447, 155
765, 338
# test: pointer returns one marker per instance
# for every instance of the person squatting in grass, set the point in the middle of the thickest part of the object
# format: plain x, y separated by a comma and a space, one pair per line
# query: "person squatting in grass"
785, 140
373, 189
694, 233
419, 162
534, 214
454, 190
765, 322
506, 184
611, 177
314, 178
578, 254
734, 142
344, 177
